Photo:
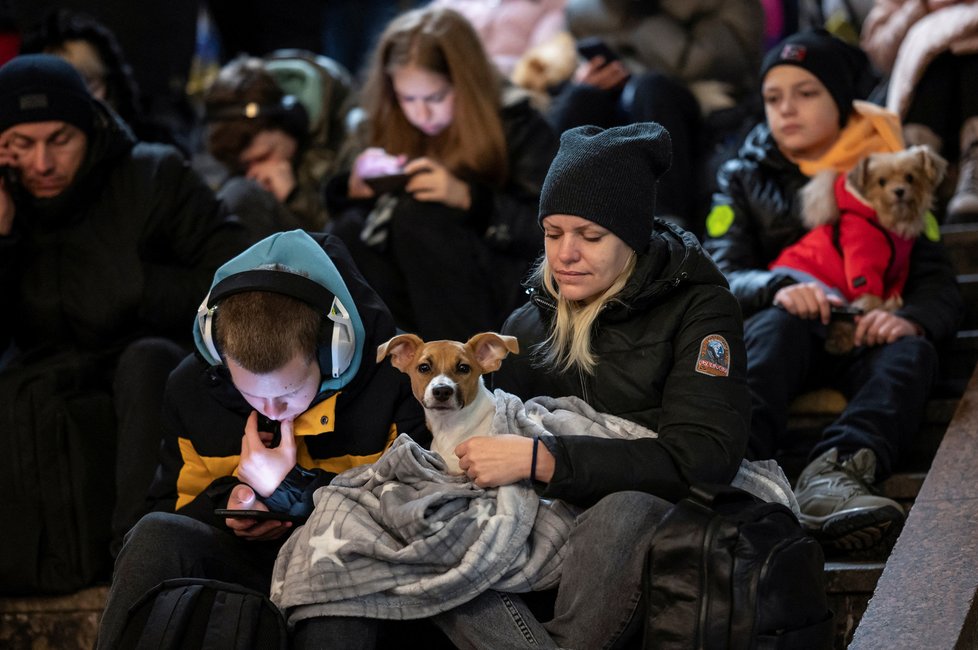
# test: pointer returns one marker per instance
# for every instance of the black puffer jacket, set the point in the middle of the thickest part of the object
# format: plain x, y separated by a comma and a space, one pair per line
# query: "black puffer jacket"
756, 214
126, 251
648, 345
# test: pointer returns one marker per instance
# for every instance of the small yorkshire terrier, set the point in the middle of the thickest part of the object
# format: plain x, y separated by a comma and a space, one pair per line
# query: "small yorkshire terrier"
862, 228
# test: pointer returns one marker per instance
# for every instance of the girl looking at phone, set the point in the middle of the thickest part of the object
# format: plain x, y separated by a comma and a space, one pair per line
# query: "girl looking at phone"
446, 250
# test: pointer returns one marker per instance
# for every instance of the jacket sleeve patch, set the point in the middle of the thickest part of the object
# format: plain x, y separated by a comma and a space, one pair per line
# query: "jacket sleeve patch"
932, 229
714, 356
719, 220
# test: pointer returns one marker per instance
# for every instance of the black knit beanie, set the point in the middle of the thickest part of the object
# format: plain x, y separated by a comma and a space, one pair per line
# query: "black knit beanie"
838, 65
608, 176
41, 88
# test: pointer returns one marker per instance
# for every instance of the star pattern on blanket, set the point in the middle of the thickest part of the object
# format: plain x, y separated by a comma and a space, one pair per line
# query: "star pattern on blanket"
328, 545
483, 512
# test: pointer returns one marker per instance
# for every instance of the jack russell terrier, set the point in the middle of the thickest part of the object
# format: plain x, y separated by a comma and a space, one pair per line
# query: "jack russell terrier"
446, 377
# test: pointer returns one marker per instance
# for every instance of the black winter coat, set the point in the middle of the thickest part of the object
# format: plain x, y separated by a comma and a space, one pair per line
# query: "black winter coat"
756, 214
128, 250
648, 345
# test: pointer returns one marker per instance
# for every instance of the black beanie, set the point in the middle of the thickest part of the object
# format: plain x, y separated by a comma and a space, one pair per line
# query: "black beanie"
608, 176
838, 65
41, 88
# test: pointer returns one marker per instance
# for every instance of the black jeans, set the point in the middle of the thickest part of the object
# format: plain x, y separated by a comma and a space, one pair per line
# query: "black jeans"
886, 386
138, 386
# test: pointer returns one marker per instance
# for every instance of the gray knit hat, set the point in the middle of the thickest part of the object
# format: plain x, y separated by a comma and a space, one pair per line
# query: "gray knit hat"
42, 88
608, 176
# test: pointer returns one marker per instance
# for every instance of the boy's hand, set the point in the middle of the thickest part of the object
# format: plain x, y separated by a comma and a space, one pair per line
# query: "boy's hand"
261, 467
243, 498
877, 327
806, 300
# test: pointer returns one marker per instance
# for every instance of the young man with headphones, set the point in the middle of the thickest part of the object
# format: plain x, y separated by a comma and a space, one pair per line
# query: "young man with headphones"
281, 395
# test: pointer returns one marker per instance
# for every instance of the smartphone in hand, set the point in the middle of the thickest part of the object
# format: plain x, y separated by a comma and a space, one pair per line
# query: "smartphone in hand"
9, 175
258, 515
845, 312
593, 46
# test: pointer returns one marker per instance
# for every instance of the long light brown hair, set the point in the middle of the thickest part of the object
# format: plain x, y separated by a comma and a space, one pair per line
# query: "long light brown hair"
441, 41
569, 343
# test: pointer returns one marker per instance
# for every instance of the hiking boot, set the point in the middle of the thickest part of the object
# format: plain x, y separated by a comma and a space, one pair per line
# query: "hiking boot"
963, 206
840, 509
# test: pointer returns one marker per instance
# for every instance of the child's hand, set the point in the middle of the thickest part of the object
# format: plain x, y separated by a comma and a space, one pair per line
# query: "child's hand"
601, 74
879, 326
431, 181
806, 300
262, 467
242, 497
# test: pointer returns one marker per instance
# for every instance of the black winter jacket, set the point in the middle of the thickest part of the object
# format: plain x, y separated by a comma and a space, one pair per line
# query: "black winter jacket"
204, 417
756, 214
126, 251
649, 345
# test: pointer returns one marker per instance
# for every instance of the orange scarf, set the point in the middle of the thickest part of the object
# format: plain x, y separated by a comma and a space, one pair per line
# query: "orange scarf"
870, 129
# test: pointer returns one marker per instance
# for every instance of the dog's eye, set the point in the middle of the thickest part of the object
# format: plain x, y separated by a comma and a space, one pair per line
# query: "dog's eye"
882, 182
424, 368
909, 178
463, 368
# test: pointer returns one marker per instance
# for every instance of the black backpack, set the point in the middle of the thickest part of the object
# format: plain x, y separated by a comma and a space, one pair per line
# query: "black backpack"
726, 570
188, 613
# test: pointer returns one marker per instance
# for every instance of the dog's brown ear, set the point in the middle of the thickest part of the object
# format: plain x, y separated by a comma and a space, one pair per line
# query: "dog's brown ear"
490, 349
858, 177
931, 162
402, 349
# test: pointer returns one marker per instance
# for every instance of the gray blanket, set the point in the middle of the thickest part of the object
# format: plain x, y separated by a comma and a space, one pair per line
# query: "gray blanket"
402, 539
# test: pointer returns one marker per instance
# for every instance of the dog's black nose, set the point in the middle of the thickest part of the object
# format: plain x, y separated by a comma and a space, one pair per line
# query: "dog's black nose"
442, 393
899, 192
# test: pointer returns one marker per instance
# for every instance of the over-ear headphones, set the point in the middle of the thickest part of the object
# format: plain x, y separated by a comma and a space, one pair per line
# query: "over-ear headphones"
337, 325
288, 112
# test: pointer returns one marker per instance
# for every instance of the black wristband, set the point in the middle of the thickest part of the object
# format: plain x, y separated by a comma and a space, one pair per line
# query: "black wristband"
533, 462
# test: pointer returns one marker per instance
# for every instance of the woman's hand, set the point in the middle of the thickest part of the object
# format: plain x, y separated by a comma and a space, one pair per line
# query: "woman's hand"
373, 161
806, 300
263, 467
243, 498
500, 460
431, 181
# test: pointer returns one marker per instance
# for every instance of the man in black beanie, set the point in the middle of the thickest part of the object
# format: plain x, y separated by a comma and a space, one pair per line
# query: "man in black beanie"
106, 247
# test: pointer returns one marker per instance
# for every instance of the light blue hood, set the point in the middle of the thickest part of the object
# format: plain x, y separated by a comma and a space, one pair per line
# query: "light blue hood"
298, 251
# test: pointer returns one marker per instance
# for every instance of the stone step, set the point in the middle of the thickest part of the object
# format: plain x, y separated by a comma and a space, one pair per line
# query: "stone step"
848, 588
961, 241
67, 622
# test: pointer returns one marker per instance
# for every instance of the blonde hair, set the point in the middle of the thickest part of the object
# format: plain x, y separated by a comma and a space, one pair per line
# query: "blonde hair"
441, 41
569, 344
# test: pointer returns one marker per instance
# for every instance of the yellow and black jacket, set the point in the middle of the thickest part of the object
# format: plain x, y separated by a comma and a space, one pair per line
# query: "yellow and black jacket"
204, 419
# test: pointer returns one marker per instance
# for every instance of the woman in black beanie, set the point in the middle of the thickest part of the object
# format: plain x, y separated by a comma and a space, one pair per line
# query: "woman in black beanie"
627, 313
